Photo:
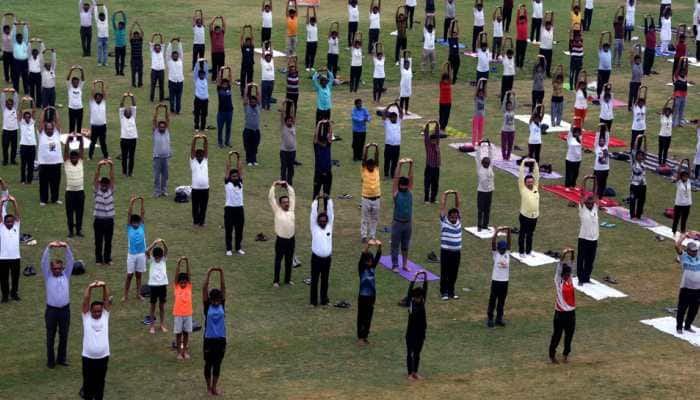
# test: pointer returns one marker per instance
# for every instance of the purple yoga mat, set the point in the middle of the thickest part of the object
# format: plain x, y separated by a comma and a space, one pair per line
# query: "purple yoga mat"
624, 214
386, 263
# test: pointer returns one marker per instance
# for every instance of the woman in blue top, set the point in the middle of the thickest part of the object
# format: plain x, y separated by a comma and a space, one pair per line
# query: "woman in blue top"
368, 291
136, 257
214, 330
224, 116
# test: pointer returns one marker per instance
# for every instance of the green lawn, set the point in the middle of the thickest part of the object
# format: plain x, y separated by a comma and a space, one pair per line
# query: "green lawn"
279, 347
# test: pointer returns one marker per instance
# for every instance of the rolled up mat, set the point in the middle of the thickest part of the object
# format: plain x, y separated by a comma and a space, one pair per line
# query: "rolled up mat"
588, 140
597, 290
575, 194
385, 261
668, 325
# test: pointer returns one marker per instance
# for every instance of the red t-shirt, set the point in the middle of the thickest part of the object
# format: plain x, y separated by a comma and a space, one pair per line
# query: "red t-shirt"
217, 41
650, 39
445, 93
567, 291
522, 30
681, 50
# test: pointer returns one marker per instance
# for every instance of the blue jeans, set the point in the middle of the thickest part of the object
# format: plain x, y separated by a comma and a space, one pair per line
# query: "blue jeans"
678, 110
102, 50
160, 175
223, 121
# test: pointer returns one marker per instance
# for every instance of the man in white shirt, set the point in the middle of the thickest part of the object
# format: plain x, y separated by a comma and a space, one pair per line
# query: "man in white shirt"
200, 180
428, 47
48, 81
162, 152
34, 63
176, 76
10, 124
536, 23
95, 353
478, 24
157, 70
392, 138
27, 147
587, 237
9, 251
198, 38
98, 124
85, 12
546, 38
75, 99
102, 22
50, 159
588, 15
353, 21
321, 225
75, 193
128, 134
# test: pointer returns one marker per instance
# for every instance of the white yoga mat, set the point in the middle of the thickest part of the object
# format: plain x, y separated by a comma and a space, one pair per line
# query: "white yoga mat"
671, 84
668, 325
75, 145
692, 61
567, 52
592, 85
408, 116
666, 232
535, 259
483, 234
597, 290
275, 53
394, 33
563, 127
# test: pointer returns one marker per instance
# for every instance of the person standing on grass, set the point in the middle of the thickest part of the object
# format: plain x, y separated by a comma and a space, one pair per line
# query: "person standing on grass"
119, 41
392, 138
374, 26
321, 225
638, 184
98, 121
478, 118
103, 224
199, 39
176, 76
20, 55
453, 53
267, 78
10, 124
27, 146
288, 146
218, 49
450, 15
528, 186
35, 62
588, 15
247, 62
689, 295
485, 186
401, 36
483, 57
136, 62
199, 164
224, 114
630, 10
431, 174
75, 99
182, 309
601, 165
521, 37
57, 275
356, 57
410, 6
333, 52
102, 23
48, 81
450, 245
508, 106
157, 70
507, 14
573, 158
251, 127
234, 217
479, 22
576, 51
353, 20
604, 65
444, 101
284, 217
214, 301
684, 199
9, 250
417, 324
428, 47
129, 134
85, 13
405, 84
538, 76
323, 84
557, 107
665, 134
75, 193
635, 80
360, 117
680, 95
157, 255
588, 207
95, 341
537, 15
201, 95
50, 157
162, 152
500, 275
266, 16
292, 27
564, 309
367, 268
136, 242
649, 46
619, 34
401, 227
546, 45
7, 58
607, 107
639, 119
323, 175
293, 79
666, 32
311, 41
371, 193
581, 102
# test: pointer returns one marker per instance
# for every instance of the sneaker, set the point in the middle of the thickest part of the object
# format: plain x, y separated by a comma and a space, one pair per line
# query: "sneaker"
296, 262
250, 164
255, 164
241, 252
59, 202
229, 253
455, 297
42, 204
445, 297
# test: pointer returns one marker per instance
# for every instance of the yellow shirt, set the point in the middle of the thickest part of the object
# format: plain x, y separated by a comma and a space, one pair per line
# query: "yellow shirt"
284, 220
575, 19
371, 185
529, 199
74, 175
292, 26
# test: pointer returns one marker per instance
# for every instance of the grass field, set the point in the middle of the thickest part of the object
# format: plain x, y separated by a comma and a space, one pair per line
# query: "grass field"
279, 347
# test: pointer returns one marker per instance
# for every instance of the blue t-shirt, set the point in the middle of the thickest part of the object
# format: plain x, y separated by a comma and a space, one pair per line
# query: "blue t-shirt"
215, 322
137, 239
403, 206
322, 158
360, 116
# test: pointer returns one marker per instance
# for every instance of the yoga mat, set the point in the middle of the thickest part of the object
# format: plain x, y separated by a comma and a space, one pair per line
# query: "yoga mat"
75, 145
508, 166
692, 61
624, 214
616, 103
483, 234
446, 43
588, 140
386, 263
470, 54
406, 117
563, 126
666, 232
275, 53
689, 84
651, 163
575, 194
668, 325
660, 53
535, 259
597, 290
394, 33
454, 133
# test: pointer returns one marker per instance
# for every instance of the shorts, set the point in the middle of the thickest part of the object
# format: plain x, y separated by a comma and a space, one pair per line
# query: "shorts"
158, 293
182, 324
135, 263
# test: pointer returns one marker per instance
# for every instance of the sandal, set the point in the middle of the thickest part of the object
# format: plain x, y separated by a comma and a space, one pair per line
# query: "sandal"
610, 280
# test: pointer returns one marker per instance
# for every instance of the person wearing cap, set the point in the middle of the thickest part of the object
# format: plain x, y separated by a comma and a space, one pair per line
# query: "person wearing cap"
57, 276
500, 250
689, 295
564, 310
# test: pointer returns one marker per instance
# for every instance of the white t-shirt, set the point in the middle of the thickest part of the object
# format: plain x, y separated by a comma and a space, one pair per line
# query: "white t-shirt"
508, 66
639, 118
606, 109
128, 125
573, 150
234, 195
666, 33
546, 38
406, 83
75, 95
378, 68
374, 20
478, 17
98, 113
175, 72
589, 4
497, 29
629, 14
356, 57
392, 132
428, 39
198, 34
581, 101
483, 59
267, 19
9, 117
501, 266
157, 59
333, 47
50, 148
684, 194
200, 173
34, 64
157, 274
535, 134
602, 159
96, 335
27, 133
665, 125
9, 242
411, 3
353, 14
589, 222
537, 10
267, 69
311, 33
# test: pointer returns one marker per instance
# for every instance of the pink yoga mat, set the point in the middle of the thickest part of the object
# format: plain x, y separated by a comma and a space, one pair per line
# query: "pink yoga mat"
386, 263
616, 103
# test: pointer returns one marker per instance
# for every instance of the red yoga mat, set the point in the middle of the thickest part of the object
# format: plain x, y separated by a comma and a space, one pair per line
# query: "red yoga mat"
575, 194
588, 140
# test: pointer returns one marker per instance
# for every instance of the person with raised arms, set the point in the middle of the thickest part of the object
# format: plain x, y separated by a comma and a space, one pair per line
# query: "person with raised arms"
417, 324
450, 245
689, 295
85, 14
528, 186
96, 350
57, 275
10, 258
98, 119
371, 193
50, 156
214, 348
284, 219
234, 217
103, 224
136, 239
401, 226
182, 308
9, 101
162, 151
176, 76
321, 225
199, 164
500, 250
129, 133
564, 308
157, 255
588, 234
75, 193
367, 268
27, 145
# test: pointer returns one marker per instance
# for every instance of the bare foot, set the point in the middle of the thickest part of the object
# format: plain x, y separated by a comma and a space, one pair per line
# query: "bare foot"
411, 377
187, 355
142, 298
417, 376
152, 330
163, 328
566, 359
554, 360
217, 392
275, 285
124, 298
360, 342
179, 356
406, 269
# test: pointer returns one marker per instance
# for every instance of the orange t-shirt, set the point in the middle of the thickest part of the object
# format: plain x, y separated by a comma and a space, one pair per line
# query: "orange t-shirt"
182, 307
292, 26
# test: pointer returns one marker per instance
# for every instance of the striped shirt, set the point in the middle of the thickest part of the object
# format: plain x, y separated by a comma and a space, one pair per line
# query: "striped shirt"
577, 49
432, 151
293, 84
450, 234
104, 204
565, 300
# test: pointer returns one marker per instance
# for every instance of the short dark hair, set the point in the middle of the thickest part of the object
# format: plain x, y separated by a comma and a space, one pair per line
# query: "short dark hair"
74, 153
403, 181
96, 303
183, 277
453, 211
565, 270
158, 252
358, 101
135, 219
7, 216
215, 294
282, 198
105, 181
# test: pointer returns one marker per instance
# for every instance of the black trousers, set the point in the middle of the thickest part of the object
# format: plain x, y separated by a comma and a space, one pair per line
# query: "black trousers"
119, 59
48, 97
310, 55
377, 88
98, 132
49, 180
648, 63
446, 28
197, 53
638, 195
251, 140
507, 16
355, 75
476, 31
322, 114
128, 147
200, 200
9, 271
35, 86
455, 62
688, 301
527, 232
358, 145
7, 60
136, 72
391, 159
94, 373
520, 50
86, 39
104, 230
265, 35
401, 43
410, 10
483, 209
444, 113
547, 53
157, 79
175, 96
56, 319
585, 259
75, 207
506, 85
365, 309
601, 179
201, 109
246, 76
572, 168
449, 269
373, 39
632, 95
322, 181
9, 146
284, 248
332, 63
680, 214
497, 299
218, 60
564, 322
234, 219
287, 159
352, 29
535, 27
664, 145
27, 155
414, 345
633, 138
533, 150
320, 268
537, 98
587, 19
20, 70
575, 65
431, 181
603, 78
75, 120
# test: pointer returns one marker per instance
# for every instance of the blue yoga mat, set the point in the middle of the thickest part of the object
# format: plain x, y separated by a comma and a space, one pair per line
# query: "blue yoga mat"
445, 43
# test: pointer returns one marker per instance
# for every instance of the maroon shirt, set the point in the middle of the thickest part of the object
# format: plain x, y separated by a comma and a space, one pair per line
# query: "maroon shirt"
217, 41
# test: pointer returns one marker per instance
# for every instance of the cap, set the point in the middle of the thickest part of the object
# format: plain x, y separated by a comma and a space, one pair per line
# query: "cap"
692, 246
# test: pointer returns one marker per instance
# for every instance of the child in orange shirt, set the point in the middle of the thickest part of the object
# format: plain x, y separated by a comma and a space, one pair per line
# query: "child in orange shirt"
182, 308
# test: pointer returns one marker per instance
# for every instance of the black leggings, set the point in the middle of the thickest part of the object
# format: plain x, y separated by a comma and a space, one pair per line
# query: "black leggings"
214, 351
403, 104
527, 232
483, 209
377, 88
535, 26
410, 10
497, 300
520, 50
128, 147
234, 218
664, 145
365, 309
454, 63
27, 155
200, 200
75, 120
352, 29
572, 168
601, 180
401, 43
638, 195
355, 74
506, 85
680, 213
444, 115
94, 373
688, 300
391, 158
564, 322
414, 345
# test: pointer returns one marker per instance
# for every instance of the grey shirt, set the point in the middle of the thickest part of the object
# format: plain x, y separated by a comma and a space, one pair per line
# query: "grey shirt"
252, 117
288, 141
636, 73
161, 144
538, 79
479, 106
450, 10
